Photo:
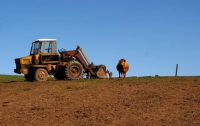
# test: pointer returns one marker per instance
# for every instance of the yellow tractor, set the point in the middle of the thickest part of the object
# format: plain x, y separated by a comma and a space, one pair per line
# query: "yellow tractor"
44, 60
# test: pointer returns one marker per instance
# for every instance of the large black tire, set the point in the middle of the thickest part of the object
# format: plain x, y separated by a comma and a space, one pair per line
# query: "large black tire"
74, 70
60, 74
41, 74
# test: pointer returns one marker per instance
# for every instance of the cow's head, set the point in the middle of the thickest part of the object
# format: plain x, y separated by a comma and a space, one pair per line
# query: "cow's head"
122, 61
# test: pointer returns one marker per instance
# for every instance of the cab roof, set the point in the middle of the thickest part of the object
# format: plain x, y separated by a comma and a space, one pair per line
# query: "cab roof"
41, 40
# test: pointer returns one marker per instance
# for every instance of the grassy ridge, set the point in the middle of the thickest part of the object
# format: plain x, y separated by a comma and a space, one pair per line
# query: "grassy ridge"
14, 78
10, 78
18, 78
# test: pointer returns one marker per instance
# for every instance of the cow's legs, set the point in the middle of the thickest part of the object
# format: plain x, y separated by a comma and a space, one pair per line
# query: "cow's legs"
124, 74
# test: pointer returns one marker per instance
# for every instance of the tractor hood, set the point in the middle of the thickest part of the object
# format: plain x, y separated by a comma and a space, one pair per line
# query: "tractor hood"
22, 64
24, 60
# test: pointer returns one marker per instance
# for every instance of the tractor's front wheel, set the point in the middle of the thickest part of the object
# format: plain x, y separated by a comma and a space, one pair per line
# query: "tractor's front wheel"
41, 74
74, 70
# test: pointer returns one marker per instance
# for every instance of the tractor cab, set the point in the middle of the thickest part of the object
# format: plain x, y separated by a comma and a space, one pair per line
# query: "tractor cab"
44, 51
43, 46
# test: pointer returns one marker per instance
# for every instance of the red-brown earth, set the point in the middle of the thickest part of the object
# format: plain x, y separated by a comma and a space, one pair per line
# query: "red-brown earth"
153, 101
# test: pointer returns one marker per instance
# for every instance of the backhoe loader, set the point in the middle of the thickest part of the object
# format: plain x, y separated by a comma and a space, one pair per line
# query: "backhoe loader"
44, 61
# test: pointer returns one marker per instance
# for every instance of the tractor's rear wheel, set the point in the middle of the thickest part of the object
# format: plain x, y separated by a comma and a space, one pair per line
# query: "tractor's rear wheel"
74, 70
41, 74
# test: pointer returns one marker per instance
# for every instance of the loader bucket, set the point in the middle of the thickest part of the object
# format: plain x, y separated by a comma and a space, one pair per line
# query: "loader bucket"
101, 73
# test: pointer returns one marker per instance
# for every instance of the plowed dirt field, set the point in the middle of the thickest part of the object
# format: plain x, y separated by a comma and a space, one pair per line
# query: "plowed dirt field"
152, 101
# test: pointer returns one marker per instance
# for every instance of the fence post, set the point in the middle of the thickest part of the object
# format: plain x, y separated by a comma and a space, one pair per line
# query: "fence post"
176, 69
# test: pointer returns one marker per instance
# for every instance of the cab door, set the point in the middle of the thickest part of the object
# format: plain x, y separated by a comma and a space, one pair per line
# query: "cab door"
48, 53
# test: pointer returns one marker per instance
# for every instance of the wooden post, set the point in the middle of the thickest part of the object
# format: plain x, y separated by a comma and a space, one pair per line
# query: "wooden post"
176, 69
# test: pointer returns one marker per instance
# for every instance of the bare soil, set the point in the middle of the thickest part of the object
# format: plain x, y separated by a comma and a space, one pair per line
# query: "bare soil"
155, 101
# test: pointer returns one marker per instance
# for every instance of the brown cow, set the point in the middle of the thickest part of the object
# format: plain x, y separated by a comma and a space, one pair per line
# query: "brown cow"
122, 67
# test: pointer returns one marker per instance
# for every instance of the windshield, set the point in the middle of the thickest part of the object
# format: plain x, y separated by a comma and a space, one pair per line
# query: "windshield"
36, 48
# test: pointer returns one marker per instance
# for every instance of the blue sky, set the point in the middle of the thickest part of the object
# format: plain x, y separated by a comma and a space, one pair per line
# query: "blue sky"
152, 35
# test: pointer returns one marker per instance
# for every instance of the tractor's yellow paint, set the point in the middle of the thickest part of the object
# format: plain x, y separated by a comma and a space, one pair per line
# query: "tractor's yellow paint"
26, 60
24, 71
